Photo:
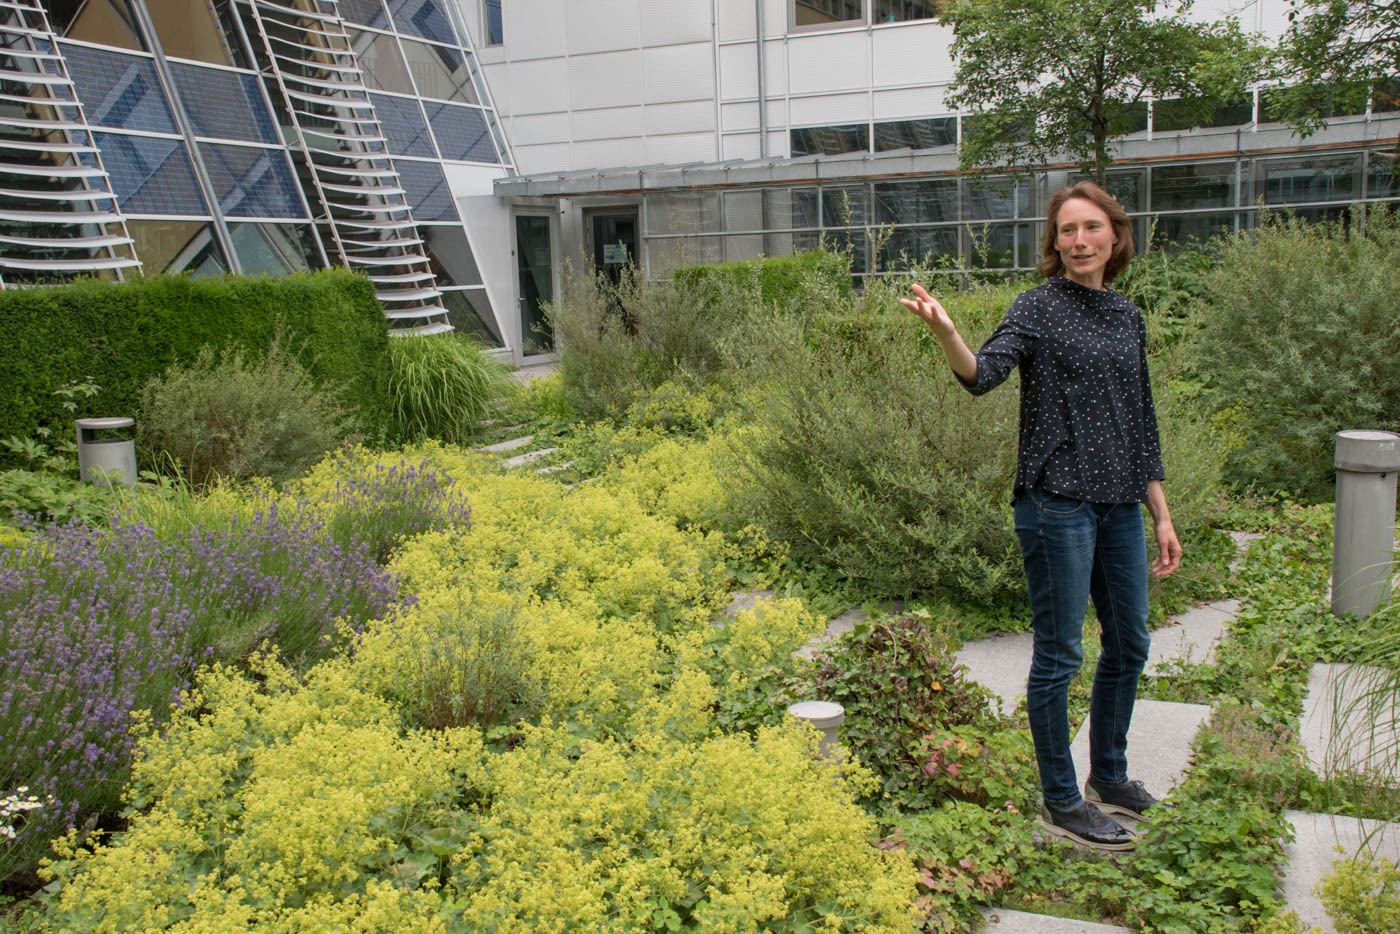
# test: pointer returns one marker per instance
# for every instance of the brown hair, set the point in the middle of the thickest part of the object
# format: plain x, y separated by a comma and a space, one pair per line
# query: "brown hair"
1050, 262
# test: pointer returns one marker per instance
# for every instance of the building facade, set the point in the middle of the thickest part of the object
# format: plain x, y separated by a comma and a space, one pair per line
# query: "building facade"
458, 151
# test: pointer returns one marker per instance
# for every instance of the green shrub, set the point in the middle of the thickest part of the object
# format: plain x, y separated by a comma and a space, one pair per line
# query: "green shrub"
443, 385
1363, 896
779, 281
123, 334
228, 417
1300, 341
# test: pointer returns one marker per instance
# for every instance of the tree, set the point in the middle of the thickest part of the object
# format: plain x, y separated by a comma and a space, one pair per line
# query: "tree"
1338, 52
1045, 78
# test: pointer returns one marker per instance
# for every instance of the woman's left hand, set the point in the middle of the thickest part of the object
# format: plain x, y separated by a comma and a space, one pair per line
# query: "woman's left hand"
1168, 549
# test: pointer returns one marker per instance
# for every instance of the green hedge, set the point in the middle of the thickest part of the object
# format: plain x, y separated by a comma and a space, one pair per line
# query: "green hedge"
122, 334
780, 280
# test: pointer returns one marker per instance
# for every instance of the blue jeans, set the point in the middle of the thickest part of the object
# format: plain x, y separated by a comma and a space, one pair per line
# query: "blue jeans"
1073, 550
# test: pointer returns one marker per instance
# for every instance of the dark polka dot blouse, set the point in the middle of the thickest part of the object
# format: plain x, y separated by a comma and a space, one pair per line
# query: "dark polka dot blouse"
1088, 428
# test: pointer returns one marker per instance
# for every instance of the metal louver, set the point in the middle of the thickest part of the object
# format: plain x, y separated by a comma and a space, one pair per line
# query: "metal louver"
58, 214
358, 199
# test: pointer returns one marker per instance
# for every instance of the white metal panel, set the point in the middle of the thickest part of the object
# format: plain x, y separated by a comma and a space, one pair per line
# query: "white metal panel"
537, 87
603, 25
491, 235
683, 117
740, 116
736, 20
839, 62
606, 123
829, 109
668, 22
910, 103
741, 146
1272, 18
533, 160
679, 73
613, 79
738, 71
685, 147
608, 153
916, 53
532, 28
471, 180
535, 129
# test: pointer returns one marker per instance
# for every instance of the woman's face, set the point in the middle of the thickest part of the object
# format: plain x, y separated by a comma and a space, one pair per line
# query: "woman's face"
1085, 240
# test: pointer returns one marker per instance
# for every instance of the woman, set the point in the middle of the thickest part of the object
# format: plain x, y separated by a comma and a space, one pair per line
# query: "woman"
1088, 456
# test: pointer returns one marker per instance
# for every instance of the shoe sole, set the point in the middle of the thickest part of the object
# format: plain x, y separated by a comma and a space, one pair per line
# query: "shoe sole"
1070, 835
1115, 808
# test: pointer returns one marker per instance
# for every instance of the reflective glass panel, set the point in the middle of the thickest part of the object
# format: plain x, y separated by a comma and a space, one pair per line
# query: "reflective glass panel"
428, 194
683, 213
922, 247
916, 134
668, 254
1125, 186
1177, 187
898, 11
1172, 115
495, 33
450, 255
1296, 181
844, 207
820, 12
150, 176
805, 210
999, 246
1385, 97
916, 202
440, 71
535, 277
996, 199
109, 22
224, 104
1180, 230
469, 311
829, 140
1329, 100
118, 90
188, 29
1380, 175
403, 126
380, 63
461, 132
252, 182
274, 249
170, 246
424, 18
364, 13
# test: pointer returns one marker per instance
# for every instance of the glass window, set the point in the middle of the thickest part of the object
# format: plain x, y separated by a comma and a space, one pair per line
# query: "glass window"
224, 104
403, 126
469, 311
118, 90
1331, 100
922, 247
495, 34
109, 22
683, 213
1175, 231
829, 140
252, 182
170, 246
380, 63
845, 206
440, 72
1380, 174
1297, 181
364, 13
918, 202
1000, 246
1173, 115
1385, 97
424, 18
822, 12
916, 134
150, 176
1179, 187
275, 249
450, 255
898, 11
189, 29
1126, 186
997, 199
428, 195
461, 132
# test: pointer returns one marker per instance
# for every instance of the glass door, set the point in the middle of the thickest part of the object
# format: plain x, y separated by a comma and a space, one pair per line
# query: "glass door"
534, 262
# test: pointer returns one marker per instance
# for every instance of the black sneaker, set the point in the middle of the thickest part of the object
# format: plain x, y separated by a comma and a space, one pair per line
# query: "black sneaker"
1086, 824
1130, 799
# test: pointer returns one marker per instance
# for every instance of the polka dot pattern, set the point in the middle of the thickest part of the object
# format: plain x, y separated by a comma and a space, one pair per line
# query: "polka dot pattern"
1088, 428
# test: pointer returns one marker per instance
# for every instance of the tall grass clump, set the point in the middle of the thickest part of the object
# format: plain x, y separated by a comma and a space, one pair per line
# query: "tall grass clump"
234, 417
443, 385
1300, 340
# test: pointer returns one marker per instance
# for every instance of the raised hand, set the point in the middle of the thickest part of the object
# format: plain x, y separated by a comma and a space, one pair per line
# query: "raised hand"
927, 307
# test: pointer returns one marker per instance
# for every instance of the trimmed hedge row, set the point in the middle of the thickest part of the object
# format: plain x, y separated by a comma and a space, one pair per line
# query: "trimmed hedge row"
780, 280
122, 334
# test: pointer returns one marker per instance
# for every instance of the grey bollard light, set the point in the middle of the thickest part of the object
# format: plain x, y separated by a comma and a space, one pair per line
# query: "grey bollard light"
99, 457
826, 717
1363, 540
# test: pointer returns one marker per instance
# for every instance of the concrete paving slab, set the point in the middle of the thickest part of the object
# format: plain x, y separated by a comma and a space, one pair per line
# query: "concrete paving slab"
837, 627
1314, 849
534, 371
520, 460
1192, 636
1000, 663
1343, 728
555, 468
503, 446
1159, 744
1242, 540
1002, 921
746, 600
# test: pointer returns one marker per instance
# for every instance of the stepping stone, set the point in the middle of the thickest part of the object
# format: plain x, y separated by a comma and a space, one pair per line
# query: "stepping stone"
503, 446
1159, 744
1313, 851
1002, 921
553, 468
522, 459
1242, 540
746, 600
1367, 725
1192, 636
1001, 664
836, 628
